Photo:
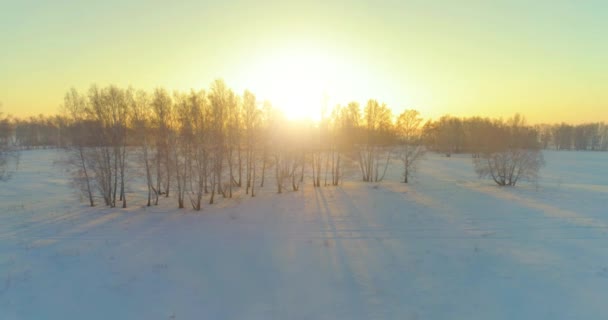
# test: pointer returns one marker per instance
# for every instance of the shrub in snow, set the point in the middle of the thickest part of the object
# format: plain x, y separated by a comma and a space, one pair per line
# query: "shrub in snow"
513, 153
508, 166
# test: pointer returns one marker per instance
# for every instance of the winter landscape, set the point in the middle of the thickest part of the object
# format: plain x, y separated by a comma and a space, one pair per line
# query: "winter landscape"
303, 160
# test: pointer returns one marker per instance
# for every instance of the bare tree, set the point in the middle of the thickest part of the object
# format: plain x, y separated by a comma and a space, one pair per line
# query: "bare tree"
162, 105
233, 145
251, 115
563, 136
181, 141
9, 155
316, 154
287, 152
143, 134
198, 171
265, 137
410, 146
378, 136
445, 135
80, 149
514, 155
98, 131
220, 98
109, 108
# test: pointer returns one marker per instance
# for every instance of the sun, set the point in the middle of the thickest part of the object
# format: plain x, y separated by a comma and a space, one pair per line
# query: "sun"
297, 81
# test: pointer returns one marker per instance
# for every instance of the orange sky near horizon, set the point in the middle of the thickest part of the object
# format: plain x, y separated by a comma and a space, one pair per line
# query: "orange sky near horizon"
545, 60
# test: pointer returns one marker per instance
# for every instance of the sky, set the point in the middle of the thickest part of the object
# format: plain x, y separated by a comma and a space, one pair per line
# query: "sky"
545, 59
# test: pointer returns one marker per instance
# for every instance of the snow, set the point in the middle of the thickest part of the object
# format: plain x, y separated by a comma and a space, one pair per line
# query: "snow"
447, 246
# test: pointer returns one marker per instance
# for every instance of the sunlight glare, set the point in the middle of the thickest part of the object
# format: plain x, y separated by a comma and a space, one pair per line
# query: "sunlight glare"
296, 81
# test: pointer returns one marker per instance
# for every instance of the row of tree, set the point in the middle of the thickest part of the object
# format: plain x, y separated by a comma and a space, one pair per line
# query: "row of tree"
590, 136
199, 145
35, 131
470, 135
447, 134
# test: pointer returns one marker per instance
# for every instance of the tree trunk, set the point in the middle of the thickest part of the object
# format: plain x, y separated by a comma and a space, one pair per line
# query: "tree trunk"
263, 168
86, 176
253, 179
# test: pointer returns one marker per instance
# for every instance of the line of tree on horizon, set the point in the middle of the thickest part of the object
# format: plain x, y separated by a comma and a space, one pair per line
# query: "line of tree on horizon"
202, 144
48, 131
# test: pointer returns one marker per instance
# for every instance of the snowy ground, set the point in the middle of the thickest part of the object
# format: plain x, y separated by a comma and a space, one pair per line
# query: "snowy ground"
449, 246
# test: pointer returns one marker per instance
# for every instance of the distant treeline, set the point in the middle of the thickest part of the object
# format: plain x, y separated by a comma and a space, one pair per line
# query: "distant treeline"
589, 136
470, 135
447, 134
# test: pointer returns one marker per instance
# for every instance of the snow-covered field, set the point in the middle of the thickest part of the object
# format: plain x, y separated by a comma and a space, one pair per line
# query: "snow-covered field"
448, 246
